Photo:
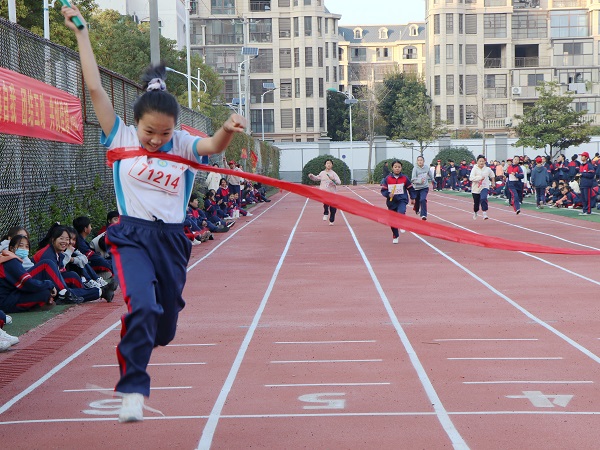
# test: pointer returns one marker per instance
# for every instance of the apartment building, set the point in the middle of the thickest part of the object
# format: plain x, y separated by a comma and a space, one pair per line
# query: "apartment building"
485, 57
367, 54
297, 52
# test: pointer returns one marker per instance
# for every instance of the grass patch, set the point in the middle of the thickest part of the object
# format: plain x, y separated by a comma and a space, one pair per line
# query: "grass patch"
25, 321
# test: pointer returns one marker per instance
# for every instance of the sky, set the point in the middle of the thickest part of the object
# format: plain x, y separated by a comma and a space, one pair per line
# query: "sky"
377, 12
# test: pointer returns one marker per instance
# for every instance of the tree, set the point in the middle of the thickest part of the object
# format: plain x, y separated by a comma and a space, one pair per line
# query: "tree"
338, 122
398, 88
551, 123
416, 122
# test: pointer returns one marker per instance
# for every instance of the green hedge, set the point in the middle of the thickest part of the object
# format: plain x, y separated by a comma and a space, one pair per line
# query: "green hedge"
457, 154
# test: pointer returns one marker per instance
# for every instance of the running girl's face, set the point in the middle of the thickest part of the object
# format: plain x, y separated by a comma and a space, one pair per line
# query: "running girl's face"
328, 165
420, 161
481, 163
397, 168
61, 242
154, 129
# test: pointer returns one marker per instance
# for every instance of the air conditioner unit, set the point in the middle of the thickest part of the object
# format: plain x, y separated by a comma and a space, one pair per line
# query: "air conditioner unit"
508, 122
516, 90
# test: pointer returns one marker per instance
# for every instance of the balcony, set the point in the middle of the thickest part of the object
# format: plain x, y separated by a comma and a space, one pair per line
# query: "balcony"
531, 61
498, 92
569, 3
493, 63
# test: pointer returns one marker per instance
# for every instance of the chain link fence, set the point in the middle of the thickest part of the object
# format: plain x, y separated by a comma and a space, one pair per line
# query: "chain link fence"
43, 181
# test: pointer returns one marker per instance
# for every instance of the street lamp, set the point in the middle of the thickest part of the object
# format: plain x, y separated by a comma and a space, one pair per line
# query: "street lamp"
271, 87
247, 52
350, 100
196, 84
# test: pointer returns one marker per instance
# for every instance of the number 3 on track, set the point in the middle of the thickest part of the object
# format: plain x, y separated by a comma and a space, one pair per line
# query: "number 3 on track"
325, 401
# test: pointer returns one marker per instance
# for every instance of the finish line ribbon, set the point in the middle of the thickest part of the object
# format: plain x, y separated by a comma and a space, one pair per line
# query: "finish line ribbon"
352, 206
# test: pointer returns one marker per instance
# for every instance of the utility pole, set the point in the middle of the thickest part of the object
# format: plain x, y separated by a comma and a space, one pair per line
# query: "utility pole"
154, 33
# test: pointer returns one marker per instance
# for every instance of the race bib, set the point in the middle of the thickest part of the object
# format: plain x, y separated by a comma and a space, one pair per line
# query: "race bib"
396, 189
160, 174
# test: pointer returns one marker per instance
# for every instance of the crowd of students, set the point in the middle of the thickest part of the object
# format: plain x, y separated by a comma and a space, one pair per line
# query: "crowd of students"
555, 183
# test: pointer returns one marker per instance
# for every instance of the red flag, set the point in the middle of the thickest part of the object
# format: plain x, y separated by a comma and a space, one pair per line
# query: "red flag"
244, 154
253, 159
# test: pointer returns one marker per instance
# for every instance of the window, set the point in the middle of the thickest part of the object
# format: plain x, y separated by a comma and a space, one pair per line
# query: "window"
460, 53
222, 7
326, 26
414, 30
287, 118
321, 119
461, 114
284, 3
438, 114
319, 26
461, 26
359, 54
285, 58
436, 24
310, 118
449, 114
308, 26
296, 57
449, 84
223, 32
449, 53
494, 25
285, 88
326, 50
409, 53
298, 119
568, 23
437, 85
449, 23
471, 53
461, 84
335, 74
296, 87
309, 87
357, 33
471, 115
471, 84
285, 28
308, 57
471, 23
264, 61
533, 79
258, 117
529, 25
327, 74
320, 56
296, 27
495, 111
436, 54
261, 31
321, 88
383, 33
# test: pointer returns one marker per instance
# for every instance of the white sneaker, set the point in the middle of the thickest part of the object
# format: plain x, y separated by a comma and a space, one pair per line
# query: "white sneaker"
402, 231
395, 241
8, 320
325, 217
485, 216
196, 242
132, 408
101, 282
249, 214
91, 284
330, 224
474, 216
4, 345
4, 336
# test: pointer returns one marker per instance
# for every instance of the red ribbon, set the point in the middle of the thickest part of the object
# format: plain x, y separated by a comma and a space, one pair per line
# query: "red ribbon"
377, 214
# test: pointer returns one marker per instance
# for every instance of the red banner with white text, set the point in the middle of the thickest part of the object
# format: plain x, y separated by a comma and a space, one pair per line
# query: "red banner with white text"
31, 108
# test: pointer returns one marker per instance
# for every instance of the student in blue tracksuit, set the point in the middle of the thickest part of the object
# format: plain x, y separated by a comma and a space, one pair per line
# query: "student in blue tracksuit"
152, 196
539, 180
514, 183
586, 183
398, 192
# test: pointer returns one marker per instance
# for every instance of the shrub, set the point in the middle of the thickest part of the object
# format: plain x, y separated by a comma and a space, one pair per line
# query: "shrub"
407, 168
316, 165
457, 154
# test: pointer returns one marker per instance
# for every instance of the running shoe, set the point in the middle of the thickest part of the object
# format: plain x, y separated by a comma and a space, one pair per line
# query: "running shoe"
4, 336
132, 408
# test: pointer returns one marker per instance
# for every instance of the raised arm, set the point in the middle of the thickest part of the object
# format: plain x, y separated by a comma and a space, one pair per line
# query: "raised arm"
102, 105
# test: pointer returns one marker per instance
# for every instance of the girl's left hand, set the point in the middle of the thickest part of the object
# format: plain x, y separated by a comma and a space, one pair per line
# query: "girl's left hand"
235, 124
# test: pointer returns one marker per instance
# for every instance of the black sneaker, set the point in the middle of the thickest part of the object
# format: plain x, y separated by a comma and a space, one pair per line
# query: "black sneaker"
107, 294
113, 284
69, 298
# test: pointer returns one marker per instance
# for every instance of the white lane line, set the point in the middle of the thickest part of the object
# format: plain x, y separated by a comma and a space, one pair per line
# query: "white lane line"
311, 415
500, 358
111, 328
211, 424
531, 316
326, 361
96, 366
529, 382
481, 339
326, 384
191, 345
440, 411
166, 388
325, 342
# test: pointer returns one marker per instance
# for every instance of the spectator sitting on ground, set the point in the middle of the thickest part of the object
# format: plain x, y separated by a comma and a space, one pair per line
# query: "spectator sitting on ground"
568, 199
213, 211
223, 194
14, 231
102, 266
198, 220
56, 242
213, 179
465, 184
75, 261
554, 192
98, 244
261, 193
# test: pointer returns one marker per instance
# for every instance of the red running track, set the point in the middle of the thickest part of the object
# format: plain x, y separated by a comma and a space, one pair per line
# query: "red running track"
301, 335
